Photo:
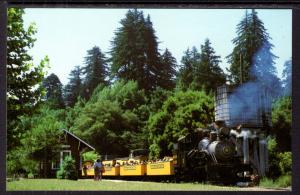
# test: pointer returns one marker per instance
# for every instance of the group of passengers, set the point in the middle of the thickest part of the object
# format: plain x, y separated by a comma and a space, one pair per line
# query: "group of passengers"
99, 167
136, 162
165, 159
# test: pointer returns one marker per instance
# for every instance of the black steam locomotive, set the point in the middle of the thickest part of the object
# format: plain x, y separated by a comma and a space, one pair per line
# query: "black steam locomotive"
232, 149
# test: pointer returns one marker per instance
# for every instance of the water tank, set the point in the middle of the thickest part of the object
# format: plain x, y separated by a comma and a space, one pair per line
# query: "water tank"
249, 105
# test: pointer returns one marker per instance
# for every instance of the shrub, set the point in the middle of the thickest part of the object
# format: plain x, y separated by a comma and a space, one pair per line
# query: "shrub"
19, 162
280, 167
90, 156
266, 182
274, 170
30, 176
68, 169
272, 144
285, 163
284, 181
60, 174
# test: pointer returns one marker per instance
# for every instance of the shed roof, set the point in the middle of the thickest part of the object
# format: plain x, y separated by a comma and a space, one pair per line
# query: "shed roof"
80, 140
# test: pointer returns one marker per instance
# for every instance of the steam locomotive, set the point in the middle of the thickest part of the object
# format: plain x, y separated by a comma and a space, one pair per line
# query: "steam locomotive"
232, 149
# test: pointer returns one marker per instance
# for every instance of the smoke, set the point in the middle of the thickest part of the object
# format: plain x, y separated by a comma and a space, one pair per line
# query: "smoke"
251, 102
264, 73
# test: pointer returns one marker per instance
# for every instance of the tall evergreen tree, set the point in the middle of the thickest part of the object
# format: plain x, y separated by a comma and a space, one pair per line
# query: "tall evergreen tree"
74, 88
167, 71
95, 71
207, 73
252, 58
189, 61
53, 88
134, 51
23, 78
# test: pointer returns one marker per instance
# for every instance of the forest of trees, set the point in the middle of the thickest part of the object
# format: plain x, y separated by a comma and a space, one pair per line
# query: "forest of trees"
135, 95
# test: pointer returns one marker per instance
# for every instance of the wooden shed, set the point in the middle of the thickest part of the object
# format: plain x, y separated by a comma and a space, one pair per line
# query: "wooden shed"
70, 145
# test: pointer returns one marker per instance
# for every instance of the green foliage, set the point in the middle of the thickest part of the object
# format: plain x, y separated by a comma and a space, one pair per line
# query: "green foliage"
154, 151
135, 56
68, 169
280, 163
272, 145
207, 73
40, 142
54, 95
285, 163
180, 114
73, 113
157, 98
41, 139
73, 89
167, 71
268, 183
110, 119
186, 72
30, 176
90, 156
18, 162
60, 174
95, 71
252, 54
274, 170
282, 122
108, 185
24, 78
201, 70
282, 182
126, 94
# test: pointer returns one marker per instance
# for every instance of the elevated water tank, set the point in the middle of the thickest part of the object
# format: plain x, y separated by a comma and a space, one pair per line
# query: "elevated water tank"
248, 105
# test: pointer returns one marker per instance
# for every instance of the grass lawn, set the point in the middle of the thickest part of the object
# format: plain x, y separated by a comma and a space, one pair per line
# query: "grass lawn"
89, 184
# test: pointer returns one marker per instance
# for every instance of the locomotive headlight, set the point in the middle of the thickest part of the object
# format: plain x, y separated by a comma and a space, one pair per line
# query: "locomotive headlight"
226, 150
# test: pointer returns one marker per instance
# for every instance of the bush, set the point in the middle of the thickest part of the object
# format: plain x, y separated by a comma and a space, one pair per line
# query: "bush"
280, 163
60, 174
280, 167
282, 182
68, 169
266, 182
19, 163
282, 123
30, 176
90, 156
285, 163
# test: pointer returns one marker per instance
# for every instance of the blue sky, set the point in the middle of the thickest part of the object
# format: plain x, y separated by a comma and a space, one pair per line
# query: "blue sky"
66, 34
